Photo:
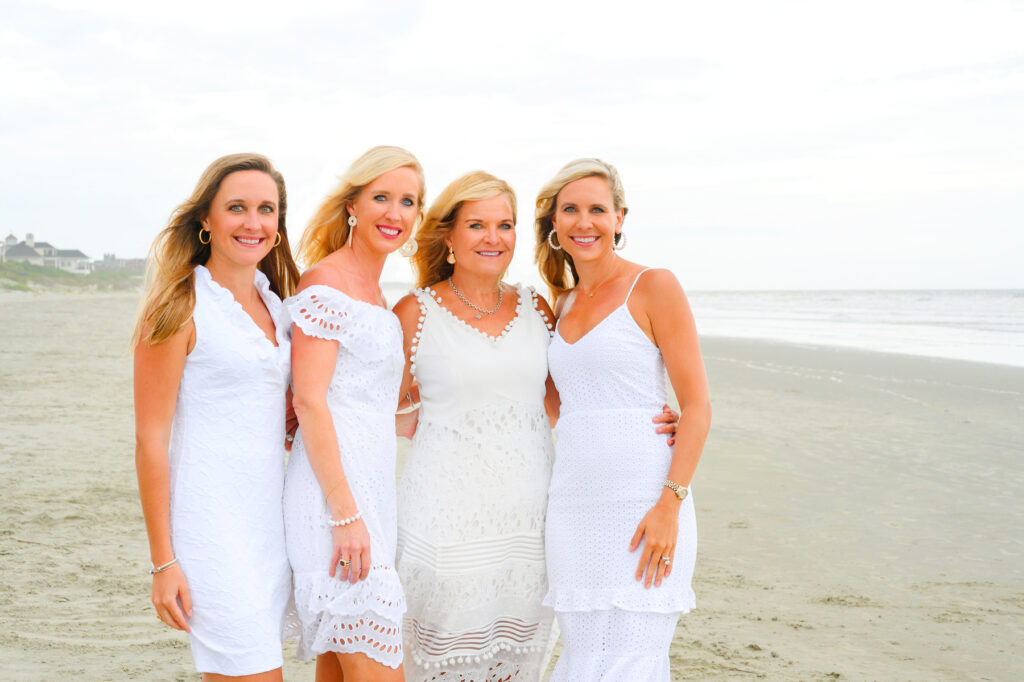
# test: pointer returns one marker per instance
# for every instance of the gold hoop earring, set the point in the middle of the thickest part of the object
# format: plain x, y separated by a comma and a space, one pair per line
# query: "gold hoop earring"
209, 235
451, 256
277, 242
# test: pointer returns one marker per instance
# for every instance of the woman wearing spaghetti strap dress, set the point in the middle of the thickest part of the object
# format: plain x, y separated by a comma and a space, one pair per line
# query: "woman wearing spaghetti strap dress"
621, 533
472, 498
211, 380
347, 361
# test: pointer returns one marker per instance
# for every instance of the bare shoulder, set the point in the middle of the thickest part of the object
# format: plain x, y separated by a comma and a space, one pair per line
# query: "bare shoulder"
322, 274
407, 310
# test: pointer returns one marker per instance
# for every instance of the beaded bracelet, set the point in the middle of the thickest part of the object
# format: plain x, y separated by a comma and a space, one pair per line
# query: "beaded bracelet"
344, 522
160, 569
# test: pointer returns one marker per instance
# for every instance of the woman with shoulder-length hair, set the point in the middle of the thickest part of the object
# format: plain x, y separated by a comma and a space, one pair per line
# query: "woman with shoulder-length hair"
472, 496
211, 378
615, 488
339, 499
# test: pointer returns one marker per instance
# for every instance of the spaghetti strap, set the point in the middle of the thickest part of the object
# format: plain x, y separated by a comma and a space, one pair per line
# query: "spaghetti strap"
634, 284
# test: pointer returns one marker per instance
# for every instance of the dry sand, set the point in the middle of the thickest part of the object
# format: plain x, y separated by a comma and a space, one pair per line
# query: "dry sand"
860, 514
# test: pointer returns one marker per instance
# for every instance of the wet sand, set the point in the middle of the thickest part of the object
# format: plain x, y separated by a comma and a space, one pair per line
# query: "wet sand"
860, 514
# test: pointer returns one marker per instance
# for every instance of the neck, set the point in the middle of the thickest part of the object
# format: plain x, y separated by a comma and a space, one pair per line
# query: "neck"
476, 286
594, 273
365, 262
237, 279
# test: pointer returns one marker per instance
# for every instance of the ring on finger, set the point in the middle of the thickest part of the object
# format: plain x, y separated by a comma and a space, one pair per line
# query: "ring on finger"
343, 563
666, 560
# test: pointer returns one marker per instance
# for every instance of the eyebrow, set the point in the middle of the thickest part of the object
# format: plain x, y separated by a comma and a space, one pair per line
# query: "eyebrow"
242, 201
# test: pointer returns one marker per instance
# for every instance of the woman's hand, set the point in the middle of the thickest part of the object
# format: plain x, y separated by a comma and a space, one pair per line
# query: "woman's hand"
658, 529
405, 423
171, 597
291, 423
669, 419
351, 544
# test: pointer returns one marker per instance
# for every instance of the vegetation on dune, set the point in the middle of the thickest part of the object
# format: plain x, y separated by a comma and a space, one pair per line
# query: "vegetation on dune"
37, 278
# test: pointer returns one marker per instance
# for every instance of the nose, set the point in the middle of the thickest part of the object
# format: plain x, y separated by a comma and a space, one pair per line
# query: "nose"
393, 214
491, 235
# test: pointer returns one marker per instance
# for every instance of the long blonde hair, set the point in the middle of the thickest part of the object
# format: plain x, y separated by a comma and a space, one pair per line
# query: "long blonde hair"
170, 295
556, 266
430, 262
328, 230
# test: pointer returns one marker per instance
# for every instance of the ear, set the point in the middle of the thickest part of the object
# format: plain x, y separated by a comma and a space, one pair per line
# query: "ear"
620, 215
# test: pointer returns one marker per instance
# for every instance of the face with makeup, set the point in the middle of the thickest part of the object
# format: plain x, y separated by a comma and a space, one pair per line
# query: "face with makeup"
585, 219
243, 218
386, 210
483, 237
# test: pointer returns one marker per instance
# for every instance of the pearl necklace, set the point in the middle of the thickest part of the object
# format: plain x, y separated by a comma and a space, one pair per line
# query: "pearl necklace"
480, 312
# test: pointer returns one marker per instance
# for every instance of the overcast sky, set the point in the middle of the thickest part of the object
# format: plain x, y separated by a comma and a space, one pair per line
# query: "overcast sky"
763, 145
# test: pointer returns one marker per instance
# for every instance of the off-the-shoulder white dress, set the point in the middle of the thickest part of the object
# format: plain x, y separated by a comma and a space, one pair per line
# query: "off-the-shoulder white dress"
364, 617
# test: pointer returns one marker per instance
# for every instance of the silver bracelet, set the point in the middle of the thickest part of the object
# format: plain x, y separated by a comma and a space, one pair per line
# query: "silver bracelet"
160, 569
344, 522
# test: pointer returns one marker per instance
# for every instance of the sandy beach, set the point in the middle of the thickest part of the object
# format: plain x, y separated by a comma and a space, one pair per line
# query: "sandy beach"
860, 514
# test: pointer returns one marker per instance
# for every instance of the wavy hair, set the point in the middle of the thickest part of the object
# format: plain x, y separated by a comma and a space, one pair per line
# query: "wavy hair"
328, 230
430, 263
170, 294
556, 266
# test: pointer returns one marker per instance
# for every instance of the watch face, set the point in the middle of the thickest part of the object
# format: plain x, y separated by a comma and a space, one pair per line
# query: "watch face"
683, 493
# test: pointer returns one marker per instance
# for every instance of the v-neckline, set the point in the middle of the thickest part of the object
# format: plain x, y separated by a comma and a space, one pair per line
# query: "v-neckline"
493, 339
589, 331
228, 294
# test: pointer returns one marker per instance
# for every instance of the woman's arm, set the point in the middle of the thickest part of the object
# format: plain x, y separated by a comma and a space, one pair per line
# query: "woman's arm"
408, 312
552, 403
158, 369
660, 299
313, 363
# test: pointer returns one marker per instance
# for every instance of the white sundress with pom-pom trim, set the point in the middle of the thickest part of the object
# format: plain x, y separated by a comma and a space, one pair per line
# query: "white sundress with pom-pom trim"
364, 617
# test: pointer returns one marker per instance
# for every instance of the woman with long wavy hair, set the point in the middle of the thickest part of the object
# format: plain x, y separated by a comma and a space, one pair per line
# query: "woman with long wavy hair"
340, 509
211, 379
621, 536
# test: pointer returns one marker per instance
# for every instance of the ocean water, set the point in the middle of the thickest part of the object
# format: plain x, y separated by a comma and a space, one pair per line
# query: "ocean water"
977, 325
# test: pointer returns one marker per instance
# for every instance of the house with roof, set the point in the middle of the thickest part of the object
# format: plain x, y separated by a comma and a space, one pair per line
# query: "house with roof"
45, 254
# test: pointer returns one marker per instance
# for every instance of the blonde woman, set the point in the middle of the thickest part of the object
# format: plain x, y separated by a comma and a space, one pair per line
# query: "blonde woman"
473, 493
621, 534
211, 376
347, 361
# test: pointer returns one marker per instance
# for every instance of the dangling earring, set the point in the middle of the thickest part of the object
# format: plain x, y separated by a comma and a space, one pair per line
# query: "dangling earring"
451, 256
620, 244
209, 235
351, 229
277, 242
553, 245
409, 248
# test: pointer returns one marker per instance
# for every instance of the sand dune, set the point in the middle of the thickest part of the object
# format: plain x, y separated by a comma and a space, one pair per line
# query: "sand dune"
860, 514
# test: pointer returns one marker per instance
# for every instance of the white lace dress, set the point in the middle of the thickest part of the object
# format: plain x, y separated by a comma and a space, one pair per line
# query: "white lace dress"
610, 467
364, 617
472, 499
226, 475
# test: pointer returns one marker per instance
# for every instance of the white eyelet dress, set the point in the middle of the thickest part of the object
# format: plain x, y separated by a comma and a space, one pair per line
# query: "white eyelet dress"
610, 467
364, 617
472, 499
226, 476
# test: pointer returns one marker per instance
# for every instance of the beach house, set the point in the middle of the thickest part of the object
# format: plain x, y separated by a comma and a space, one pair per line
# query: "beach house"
45, 254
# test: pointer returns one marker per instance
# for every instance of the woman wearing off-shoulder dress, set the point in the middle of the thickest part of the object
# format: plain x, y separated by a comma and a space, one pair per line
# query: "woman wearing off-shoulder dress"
621, 533
347, 360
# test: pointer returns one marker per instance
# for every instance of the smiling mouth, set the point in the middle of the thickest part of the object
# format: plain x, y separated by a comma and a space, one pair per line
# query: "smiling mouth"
250, 241
489, 254
389, 232
584, 240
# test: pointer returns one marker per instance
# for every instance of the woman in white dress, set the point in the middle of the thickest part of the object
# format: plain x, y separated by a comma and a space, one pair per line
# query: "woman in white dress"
473, 494
621, 533
347, 360
211, 377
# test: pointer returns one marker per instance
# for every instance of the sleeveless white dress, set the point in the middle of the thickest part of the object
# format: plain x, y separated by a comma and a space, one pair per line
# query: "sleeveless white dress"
610, 468
472, 499
226, 477
364, 617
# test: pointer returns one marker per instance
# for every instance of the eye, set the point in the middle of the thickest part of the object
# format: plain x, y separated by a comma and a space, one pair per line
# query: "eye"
475, 226
380, 197
568, 209
408, 202
236, 208
507, 226
267, 209
598, 209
